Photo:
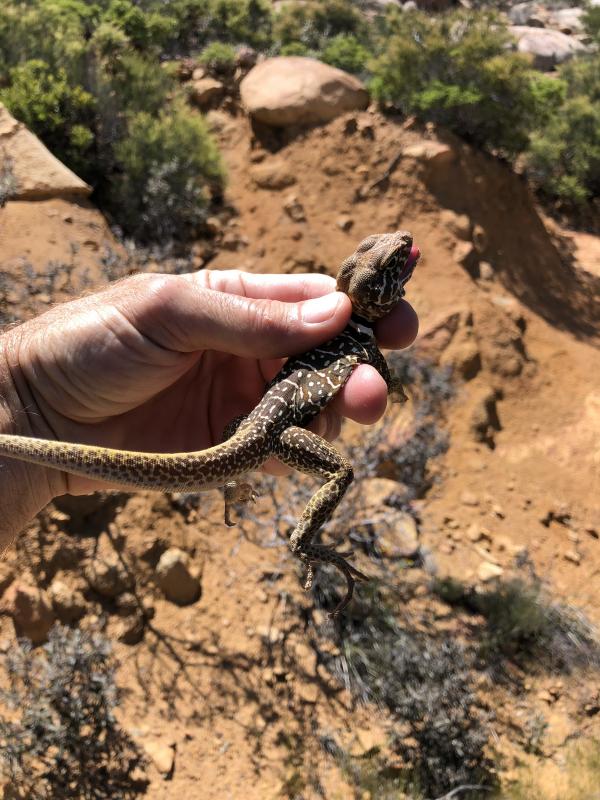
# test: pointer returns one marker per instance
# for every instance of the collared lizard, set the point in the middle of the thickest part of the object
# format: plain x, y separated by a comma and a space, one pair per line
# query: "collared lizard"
373, 277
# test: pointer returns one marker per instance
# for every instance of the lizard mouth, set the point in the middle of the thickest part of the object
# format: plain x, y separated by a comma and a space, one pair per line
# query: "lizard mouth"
411, 261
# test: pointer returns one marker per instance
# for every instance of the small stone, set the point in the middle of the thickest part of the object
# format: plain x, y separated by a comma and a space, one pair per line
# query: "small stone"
294, 209
131, 629
69, 604
545, 695
162, 756
573, 556
7, 576
31, 611
127, 604
273, 174
108, 577
344, 223
458, 224
468, 498
486, 271
175, 577
573, 536
269, 634
479, 238
308, 693
206, 92
488, 571
497, 511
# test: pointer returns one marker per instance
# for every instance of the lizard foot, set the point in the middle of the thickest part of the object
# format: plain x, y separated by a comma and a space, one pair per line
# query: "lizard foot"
396, 391
237, 494
327, 554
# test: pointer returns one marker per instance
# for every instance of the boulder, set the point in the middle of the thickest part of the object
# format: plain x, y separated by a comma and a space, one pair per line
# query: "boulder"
206, 92
294, 90
547, 47
37, 173
568, 20
30, 610
175, 577
529, 13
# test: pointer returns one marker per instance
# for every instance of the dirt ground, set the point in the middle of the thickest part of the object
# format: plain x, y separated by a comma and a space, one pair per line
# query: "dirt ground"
232, 685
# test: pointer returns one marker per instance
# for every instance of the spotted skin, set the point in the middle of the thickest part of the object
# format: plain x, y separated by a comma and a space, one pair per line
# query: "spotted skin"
373, 277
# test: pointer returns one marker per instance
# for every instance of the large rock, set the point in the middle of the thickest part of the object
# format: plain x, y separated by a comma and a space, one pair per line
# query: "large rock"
547, 47
37, 173
294, 90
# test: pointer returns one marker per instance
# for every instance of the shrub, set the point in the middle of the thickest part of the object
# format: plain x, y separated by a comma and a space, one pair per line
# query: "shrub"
314, 23
426, 683
243, 21
60, 113
522, 624
65, 741
564, 155
454, 69
346, 52
170, 165
8, 182
218, 57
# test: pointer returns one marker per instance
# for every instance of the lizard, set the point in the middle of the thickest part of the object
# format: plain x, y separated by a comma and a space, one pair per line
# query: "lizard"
373, 277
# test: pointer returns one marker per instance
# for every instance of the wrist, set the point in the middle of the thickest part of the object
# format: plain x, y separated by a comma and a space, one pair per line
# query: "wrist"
24, 488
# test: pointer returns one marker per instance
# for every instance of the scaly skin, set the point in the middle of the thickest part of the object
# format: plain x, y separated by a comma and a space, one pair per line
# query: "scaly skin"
373, 277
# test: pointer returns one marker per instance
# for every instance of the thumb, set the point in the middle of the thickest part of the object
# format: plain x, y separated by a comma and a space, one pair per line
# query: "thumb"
185, 317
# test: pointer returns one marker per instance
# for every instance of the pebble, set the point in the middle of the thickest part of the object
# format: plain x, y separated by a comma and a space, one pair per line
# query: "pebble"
487, 571
468, 498
573, 556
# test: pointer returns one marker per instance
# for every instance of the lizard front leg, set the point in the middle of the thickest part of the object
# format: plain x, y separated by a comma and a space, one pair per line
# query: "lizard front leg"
313, 455
234, 492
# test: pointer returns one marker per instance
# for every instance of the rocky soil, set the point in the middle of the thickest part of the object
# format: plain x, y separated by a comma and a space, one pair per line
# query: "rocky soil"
222, 653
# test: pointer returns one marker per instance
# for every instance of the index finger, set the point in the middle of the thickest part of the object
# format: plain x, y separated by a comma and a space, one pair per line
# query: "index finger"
258, 286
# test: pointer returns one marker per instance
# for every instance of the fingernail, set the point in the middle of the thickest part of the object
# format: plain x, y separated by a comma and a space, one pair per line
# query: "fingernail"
321, 309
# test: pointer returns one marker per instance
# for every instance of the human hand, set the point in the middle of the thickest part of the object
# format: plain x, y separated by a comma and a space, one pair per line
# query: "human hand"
161, 363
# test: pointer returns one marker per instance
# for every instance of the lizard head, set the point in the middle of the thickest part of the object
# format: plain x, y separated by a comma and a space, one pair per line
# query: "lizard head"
374, 275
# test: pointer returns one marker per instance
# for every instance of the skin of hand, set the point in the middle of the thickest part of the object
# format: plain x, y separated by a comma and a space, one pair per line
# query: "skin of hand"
161, 363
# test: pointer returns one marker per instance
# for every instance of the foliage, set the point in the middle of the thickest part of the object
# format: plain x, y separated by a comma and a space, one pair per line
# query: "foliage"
522, 624
60, 113
579, 776
65, 741
170, 165
315, 23
245, 21
454, 69
346, 52
8, 182
564, 156
218, 58
426, 683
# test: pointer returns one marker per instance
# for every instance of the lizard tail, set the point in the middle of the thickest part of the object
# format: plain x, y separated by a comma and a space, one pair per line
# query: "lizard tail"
196, 471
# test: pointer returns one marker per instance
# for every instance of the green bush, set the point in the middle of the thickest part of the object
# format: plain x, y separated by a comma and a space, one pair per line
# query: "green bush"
454, 70
564, 157
314, 23
60, 113
243, 21
346, 52
170, 166
218, 58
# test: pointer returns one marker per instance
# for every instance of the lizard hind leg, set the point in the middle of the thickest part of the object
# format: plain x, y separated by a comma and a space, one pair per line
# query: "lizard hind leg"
313, 455
234, 492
